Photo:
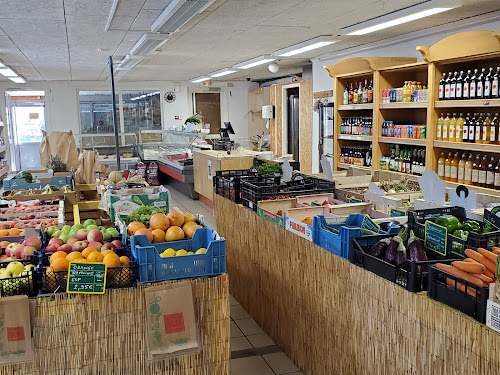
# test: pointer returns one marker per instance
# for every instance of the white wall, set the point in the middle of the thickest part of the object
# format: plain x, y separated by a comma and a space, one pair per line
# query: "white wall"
403, 46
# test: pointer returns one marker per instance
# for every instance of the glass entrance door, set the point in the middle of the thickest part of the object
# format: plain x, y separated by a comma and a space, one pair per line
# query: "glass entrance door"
26, 120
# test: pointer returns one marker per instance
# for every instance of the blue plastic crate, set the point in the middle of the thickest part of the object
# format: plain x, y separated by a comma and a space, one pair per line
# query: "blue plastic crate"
153, 268
338, 244
11, 183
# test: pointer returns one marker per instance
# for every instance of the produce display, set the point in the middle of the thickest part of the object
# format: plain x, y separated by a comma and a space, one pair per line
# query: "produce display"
268, 169
143, 214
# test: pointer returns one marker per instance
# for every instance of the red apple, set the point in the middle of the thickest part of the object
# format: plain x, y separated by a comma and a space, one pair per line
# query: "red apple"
66, 248
71, 241
52, 248
81, 234
86, 241
118, 244
16, 251
56, 241
79, 246
28, 250
95, 245
108, 246
95, 235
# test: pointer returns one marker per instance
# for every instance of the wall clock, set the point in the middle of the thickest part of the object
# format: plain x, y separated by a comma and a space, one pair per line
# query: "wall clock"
169, 97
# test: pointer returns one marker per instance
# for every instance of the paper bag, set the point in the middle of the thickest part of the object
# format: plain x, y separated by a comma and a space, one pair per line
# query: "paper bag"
15, 330
171, 325
88, 165
59, 143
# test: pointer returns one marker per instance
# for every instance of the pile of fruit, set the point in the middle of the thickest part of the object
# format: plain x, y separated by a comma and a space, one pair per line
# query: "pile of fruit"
17, 278
182, 252
35, 223
163, 228
87, 231
16, 250
143, 214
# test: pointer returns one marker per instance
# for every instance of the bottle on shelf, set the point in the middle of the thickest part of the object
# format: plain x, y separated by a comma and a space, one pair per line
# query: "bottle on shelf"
482, 171
422, 161
346, 94
487, 84
461, 169
466, 86
451, 128
355, 96
494, 134
351, 94
468, 170
365, 92
454, 168
447, 167
490, 173
446, 125
487, 129
473, 85
465, 131
494, 84
360, 93
459, 128
472, 128
447, 87
459, 86
453, 85
497, 176
480, 84
370, 92
440, 128
442, 82
475, 170
478, 129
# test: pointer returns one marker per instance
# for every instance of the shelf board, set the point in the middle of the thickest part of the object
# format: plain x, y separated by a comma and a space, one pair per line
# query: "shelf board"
467, 103
3, 148
349, 137
403, 105
347, 166
468, 146
4, 171
355, 74
403, 141
355, 107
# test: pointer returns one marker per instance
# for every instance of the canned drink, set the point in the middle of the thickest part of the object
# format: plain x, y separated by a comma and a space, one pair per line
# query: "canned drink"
410, 131
397, 131
423, 132
416, 132
393, 95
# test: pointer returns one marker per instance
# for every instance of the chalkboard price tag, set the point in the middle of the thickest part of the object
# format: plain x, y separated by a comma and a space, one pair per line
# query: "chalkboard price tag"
397, 212
355, 200
436, 237
89, 278
369, 224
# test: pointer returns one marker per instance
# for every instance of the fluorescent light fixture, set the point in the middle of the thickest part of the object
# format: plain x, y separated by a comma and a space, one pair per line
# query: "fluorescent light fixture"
222, 72
200, 79
148, 43
176, 14
7, 72
17, 79
308, 45
254, 62
119, 74
128, 62
404, 15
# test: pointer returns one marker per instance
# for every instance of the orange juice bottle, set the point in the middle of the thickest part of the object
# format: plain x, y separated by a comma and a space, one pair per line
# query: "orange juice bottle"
441, 162
447, 167
461, 169
446, 125
459, 128
454, 168
468, 170
440, 121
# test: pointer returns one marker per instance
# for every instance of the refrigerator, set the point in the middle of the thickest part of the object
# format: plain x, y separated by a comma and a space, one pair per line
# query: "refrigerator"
325, 146
293, 126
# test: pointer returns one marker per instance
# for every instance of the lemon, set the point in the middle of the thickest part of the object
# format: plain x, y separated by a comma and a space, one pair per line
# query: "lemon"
201, 251
181, 252
169, 252
190, 253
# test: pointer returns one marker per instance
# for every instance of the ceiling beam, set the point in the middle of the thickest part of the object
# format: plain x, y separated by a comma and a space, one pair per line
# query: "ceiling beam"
111, 14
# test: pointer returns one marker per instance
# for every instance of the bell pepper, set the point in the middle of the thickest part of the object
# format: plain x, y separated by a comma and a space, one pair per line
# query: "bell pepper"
471, 226
488, 228
462, 234
450, 222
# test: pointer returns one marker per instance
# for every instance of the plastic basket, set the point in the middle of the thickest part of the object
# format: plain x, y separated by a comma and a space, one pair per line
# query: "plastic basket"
474, 306
413, 276
25, 284
152, 267
455, 245
338, 244
116, 277
228, 183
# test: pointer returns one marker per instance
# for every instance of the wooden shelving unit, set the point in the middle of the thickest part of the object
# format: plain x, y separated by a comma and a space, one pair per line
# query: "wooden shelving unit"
469, 50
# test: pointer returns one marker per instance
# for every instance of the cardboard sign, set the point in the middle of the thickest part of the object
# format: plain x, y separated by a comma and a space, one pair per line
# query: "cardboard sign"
88, 278
369, 224
397, 212
436, 237
355, 200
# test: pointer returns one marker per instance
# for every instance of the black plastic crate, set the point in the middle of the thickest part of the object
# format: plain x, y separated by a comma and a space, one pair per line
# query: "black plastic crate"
473, 305
227, 183
26, 283
116, 277
413, 276
417, 219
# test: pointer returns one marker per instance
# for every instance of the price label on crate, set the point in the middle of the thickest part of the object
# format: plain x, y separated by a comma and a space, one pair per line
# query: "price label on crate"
355, 200
89, 278
395, 212
369, 224
436, 237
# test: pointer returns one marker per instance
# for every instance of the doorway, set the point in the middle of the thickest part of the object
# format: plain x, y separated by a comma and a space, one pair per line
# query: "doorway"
291, 121
208, 106
26, 120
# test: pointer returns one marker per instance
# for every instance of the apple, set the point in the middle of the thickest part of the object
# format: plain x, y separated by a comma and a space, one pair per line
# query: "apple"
92, 227
16, 251
57, 233
106, 236
118, 244
56, 241
113, 232
52, 229
33, 242
77, 227
79, 246
64, 237
28, 250
15, 268
72, 233
86, 241
71, 241
82, 234
66, 248
108, 246
52, 248
95, 245
10, 247
66, 228
95, 235
88, 222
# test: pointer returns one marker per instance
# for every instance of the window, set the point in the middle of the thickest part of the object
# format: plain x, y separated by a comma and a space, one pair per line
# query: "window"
96, 112
141, 110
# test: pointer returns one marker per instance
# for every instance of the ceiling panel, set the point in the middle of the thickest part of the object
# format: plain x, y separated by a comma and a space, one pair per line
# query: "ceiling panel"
156, 4
129, 7
87, 7
31, 10
145, 19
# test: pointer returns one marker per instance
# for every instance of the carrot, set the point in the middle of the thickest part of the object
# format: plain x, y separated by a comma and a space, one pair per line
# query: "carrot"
495, 248
488, 273
469, 267
470, 260
488, 254
480, 276
460, 287
496, 251
481, 259
459, 273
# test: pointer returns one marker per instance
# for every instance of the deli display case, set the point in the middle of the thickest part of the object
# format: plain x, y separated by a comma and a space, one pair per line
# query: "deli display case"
326, 138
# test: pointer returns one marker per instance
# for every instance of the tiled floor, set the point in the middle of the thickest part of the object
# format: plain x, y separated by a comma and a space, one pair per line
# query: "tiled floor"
252, 351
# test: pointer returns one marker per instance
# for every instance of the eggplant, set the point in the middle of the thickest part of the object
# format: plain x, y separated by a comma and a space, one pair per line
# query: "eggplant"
416, 249
396, 251
379, 248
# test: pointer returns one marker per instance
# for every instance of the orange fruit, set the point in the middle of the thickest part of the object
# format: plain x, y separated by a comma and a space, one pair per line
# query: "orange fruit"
4, 232
87, 251
158, 235
112, 260
159, 221
187, 225
74, 256
4, 244
125, 260
189, 218
95, 257
60, 264
14, 232
106, 252
124, 277
145, 231
174, 233
56, 255
176, 218
134, 226
191, 229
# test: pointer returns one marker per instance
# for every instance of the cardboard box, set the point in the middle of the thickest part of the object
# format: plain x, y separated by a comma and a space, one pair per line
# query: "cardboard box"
294, 217
384, 203
269, 210
125, 201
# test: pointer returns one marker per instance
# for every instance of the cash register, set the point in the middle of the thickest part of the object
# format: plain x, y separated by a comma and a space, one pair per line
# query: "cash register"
224, 143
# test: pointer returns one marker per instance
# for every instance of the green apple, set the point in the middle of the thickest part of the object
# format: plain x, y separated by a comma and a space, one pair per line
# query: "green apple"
101, 228
57, 233
64, 237
113, 232
91, 227
29, 267
89, 222
106, 236
15, 268
77, 226
52, 229
66, 228
72, 233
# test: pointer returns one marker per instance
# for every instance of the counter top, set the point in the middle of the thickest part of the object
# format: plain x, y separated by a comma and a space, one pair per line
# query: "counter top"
223, 154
